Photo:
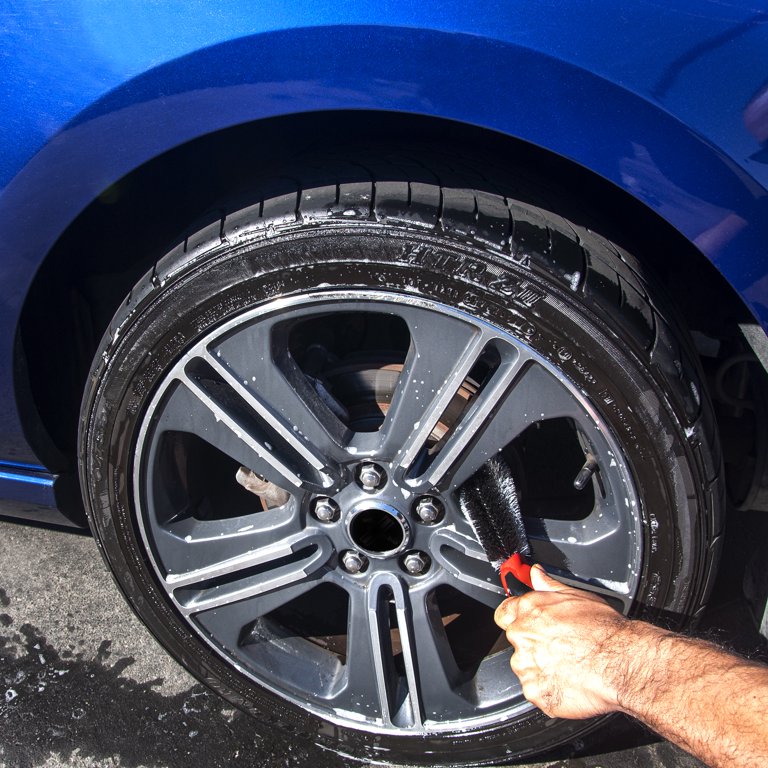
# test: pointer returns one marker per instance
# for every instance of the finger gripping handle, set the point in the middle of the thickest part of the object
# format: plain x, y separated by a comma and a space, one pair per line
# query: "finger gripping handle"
521, 571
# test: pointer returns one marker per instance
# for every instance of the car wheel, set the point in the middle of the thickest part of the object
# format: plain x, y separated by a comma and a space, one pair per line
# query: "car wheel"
281, 417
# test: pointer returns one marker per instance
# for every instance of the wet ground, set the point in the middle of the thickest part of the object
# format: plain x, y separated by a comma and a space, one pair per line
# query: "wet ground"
82, 684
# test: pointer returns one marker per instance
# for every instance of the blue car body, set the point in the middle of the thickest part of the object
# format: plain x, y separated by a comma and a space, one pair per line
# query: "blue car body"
667, 102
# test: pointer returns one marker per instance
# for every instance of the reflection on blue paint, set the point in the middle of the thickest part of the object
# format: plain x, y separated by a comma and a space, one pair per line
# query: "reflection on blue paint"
31, 487
20, 465
34, 479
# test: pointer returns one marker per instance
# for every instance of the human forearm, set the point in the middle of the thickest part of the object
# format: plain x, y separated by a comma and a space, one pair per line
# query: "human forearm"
704, 699
576, 658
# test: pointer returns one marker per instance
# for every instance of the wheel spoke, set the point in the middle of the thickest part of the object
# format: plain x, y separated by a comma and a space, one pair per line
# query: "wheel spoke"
426, 671
259, 396
190, 409
426, 651
518, 396
462, 542
256, 571
190, 544
596, 553
490, 593
440, 357
226, 622
256, 361
467, 566
370, 673
408, 625
620, 599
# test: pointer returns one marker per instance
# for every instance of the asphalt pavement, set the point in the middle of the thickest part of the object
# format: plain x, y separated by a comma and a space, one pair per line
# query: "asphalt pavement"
83, 684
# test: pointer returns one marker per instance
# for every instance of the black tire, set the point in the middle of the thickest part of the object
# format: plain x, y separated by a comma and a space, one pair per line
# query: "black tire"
366, 262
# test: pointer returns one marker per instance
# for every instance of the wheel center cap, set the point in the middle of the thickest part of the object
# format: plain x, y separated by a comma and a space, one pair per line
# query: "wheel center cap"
378, 529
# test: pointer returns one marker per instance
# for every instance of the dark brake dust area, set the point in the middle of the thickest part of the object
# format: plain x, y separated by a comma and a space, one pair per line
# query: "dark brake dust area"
84, 685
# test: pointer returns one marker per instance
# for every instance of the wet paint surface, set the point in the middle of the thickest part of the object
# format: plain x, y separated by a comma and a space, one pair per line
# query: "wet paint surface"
82, 684
80, 76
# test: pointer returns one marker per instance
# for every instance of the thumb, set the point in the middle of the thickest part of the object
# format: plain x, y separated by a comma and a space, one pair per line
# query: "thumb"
542, 582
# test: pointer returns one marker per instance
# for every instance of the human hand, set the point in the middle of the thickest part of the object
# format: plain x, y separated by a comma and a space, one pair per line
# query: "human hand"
576, 657
572, 650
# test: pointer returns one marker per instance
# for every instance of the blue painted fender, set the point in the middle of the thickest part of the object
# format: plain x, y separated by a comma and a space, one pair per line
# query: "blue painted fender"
513, 82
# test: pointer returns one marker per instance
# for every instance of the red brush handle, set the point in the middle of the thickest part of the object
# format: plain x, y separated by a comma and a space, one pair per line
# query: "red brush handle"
520, 570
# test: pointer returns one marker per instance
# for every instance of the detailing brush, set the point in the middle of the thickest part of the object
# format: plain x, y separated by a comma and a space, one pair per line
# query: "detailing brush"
489, 501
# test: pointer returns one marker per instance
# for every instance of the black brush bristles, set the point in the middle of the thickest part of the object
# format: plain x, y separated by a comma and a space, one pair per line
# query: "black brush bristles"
489, 501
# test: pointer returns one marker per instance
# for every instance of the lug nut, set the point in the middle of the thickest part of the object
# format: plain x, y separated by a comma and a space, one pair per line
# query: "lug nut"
428, 509
371, 476
354, 562
325, 510
416, 563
